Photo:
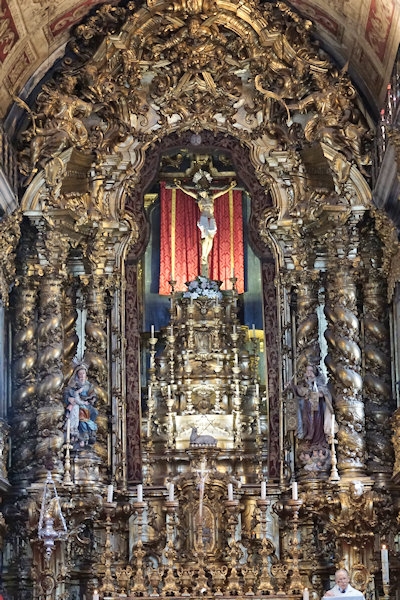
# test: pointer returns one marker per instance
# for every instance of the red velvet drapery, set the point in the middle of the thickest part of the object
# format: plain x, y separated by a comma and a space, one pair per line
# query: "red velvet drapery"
180, 249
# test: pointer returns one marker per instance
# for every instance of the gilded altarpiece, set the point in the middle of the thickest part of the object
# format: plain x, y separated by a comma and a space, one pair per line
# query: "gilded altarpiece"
197, 487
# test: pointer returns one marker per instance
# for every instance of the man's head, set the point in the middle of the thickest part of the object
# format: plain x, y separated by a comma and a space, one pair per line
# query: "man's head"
342, 578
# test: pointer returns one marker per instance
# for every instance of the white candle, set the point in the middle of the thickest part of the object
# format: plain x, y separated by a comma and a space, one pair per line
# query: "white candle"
306, 594
139, 493
254, 330
385, 565
152, 331
110, 493
68, 430
236, 359
230, 491
149, 394
171, 492
263, 490
257, 390
191, 300
233, 273
333, 426
294, 491
95, 595
234, 329
169, 391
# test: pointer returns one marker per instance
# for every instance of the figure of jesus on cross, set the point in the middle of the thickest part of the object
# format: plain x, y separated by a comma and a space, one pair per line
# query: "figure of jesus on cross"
206, 223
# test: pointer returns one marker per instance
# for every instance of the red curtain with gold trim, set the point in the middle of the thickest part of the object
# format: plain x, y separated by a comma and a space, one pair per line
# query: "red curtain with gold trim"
180, 247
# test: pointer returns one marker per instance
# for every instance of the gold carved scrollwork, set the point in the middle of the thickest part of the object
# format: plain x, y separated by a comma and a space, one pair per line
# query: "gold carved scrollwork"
10, 231
205, 65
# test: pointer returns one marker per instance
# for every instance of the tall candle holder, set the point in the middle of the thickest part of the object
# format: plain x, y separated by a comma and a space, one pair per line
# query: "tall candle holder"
334, 476
171, 353
263, 505
296, 584
67, 480
233, 507
386, 591
265, 585
152, 342
139, 587
107, 587
170, 583
172, 283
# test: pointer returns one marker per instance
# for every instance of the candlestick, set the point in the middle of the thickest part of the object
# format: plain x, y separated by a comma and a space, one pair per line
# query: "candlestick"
385, 565
230, 491
68, 430
263, 490
139, 492
306, 594
171, 492
294, 491
110, 493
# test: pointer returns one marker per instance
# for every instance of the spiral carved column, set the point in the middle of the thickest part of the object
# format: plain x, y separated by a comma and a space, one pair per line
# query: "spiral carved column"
96, 354
50, 349
377, 381
24, 401
344, 364
70, 315
308, 351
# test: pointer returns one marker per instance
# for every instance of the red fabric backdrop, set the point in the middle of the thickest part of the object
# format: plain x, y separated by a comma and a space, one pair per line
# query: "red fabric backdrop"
180, 240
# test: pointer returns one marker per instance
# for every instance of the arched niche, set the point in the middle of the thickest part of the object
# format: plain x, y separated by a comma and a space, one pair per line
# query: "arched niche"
261, 201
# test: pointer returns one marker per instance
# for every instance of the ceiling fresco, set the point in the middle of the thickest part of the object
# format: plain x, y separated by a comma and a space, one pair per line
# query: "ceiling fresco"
362, 34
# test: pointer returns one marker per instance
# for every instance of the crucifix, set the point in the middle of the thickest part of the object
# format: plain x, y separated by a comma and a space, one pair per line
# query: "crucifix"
206, 223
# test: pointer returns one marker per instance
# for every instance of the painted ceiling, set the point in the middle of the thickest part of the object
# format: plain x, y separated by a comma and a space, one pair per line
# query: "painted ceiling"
364, 35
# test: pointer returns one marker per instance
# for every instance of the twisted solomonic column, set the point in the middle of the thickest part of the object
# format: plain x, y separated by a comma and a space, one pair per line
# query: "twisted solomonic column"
96, 353
24, 400
50, 414
70, 315
344, 364
379, 403
308, 351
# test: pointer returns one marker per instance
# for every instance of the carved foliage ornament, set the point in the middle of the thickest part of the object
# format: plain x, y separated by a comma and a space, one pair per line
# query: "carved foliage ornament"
247, 69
